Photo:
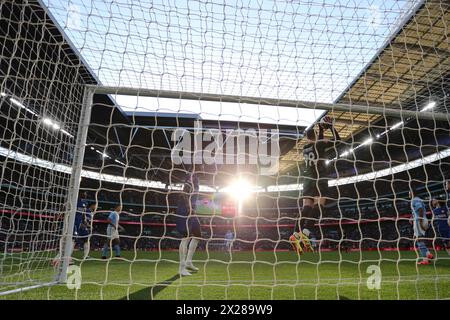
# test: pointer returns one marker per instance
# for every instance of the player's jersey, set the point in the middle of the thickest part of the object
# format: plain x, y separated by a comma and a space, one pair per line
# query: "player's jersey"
314, 157
85, 227
416, 205
88, 217
81, 209
229, 236
441, 218
112, 230
114, 217
191, 188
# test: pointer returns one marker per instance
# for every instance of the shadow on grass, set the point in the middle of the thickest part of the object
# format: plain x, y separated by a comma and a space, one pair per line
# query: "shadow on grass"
151, 292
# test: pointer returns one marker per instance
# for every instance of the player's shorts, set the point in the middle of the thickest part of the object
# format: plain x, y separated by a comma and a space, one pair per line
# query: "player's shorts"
315, 188
443, 232
188, 226
83, 235
112, 233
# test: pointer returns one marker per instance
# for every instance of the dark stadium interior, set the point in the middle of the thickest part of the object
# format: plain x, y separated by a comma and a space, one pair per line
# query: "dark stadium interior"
143, 144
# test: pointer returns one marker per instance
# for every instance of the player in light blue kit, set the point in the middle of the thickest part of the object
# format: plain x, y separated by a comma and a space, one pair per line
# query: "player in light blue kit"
112, 232
420, 223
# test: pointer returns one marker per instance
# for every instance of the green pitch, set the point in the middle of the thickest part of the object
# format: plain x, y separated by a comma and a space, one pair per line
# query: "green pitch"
259, 275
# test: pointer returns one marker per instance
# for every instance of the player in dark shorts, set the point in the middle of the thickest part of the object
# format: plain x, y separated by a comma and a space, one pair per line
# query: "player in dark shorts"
315, 183
85, 229
440, 217
187, 223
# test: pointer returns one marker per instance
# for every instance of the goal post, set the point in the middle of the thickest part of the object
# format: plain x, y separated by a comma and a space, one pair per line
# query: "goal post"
41, 86
74, 187
65, 241
391, 111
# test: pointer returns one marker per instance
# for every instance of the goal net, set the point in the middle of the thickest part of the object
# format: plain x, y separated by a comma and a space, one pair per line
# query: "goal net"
238, 150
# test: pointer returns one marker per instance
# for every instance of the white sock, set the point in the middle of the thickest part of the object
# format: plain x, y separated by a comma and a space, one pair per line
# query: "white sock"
192, 248
86, 248
182, 251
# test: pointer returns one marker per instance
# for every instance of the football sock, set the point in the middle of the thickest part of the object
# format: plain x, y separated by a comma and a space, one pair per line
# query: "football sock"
86, 248
182, 251
117, 250
306, 221
422, 248
105, 250
192, 247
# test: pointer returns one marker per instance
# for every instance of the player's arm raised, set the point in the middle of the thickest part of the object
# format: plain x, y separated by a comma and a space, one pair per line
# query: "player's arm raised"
327, 123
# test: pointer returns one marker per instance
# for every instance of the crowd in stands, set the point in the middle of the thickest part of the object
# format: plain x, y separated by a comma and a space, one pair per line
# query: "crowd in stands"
349, 225
264, 224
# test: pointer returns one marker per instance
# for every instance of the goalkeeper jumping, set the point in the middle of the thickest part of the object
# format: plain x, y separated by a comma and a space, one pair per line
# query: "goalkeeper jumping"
315, 184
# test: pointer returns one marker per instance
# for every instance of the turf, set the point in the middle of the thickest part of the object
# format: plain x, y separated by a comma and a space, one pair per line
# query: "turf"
258, 275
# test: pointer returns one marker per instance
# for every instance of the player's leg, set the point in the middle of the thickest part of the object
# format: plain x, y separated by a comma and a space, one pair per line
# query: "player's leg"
300, 238
318, 209
105, 249
195, 234
313, 205
108, 243
116, 247
307, 222
307, 216
423, 251
319, 202
86, 248
182, 254
83, 242
106, 246
229, 246
182, 228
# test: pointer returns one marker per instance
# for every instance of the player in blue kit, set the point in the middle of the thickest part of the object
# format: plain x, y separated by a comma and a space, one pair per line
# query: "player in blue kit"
420, 225
440, 216
188, 224
80, 210
112, 232
85, 228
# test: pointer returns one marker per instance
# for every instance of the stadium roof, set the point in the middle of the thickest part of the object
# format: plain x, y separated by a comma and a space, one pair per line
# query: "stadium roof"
350, 125
399, 42
196, 46
302, 51
412, 69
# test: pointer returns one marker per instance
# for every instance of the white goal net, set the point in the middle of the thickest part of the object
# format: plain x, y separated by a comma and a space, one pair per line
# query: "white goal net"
224, 150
